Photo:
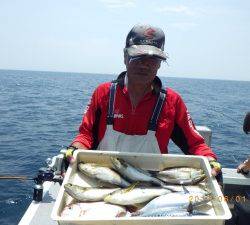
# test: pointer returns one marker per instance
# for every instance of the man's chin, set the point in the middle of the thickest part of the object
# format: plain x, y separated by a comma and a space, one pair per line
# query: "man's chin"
143, 74
141, 77
141, 80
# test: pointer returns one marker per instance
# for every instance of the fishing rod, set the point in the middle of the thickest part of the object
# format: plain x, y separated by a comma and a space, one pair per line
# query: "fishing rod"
214, 109
52, 172
218, 110
246, 129
10, 177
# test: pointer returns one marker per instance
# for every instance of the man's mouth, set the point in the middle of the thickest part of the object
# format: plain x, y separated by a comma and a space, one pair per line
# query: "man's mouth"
144, 72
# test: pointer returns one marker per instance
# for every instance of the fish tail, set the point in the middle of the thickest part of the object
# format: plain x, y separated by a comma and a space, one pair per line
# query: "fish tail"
207, 199
198, 179
137, 213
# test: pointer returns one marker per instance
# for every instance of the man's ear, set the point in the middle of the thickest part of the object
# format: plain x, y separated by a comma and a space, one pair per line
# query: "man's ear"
246, 125
125, 59
125, 56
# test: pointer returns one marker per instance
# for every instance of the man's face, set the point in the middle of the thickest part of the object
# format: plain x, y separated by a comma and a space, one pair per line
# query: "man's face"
143, 69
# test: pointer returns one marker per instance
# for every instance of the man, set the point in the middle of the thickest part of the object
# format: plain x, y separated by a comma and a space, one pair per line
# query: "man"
134, 113
245, 166
241, 210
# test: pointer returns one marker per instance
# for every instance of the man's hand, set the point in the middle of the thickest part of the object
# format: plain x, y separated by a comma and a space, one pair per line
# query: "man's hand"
244, 167
69, 154
216, 170
216, 167
68, 159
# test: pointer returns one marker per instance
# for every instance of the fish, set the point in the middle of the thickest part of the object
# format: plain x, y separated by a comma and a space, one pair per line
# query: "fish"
181, 181
199, 188
135, 195
175, 200
102, 173
93, 210
134, 174
181, 175
87, 194
181, 172
171, 212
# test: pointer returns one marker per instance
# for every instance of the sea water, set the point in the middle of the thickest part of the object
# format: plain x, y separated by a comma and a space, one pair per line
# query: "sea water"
40, 113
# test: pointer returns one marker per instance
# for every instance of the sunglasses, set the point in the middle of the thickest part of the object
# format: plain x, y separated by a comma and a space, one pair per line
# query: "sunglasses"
147, 59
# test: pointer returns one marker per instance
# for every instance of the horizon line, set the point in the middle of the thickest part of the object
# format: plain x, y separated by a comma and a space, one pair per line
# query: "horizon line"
109, 74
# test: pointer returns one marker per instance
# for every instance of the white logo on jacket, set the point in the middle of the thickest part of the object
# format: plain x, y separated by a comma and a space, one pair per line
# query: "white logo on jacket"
87, 107
190, 122
119, 116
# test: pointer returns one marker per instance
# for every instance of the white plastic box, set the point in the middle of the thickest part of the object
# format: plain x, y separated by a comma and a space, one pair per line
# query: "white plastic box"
218, 208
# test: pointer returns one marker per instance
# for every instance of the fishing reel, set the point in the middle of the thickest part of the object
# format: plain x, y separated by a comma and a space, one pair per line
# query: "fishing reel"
52, 172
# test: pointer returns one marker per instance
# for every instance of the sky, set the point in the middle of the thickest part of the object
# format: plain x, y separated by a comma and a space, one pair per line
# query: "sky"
207, 39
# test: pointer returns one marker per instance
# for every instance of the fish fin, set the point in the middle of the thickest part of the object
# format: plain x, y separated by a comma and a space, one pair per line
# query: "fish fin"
185, 189
153, 173
190, 208
131, 187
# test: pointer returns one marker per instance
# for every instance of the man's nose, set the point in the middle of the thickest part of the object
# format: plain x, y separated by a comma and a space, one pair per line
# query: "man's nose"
144, 63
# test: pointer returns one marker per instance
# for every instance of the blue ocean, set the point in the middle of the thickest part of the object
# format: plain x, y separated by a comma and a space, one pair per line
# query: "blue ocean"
40, 113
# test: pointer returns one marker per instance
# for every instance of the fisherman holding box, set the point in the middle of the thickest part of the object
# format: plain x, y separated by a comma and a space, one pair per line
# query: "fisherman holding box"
135, 113
245, 166
241, 210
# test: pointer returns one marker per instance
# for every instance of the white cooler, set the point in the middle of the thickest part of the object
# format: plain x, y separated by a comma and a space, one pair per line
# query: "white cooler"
218, 209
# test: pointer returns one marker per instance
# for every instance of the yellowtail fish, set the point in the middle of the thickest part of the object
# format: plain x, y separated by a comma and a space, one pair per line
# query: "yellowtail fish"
134, 174
181, 172
103, 174
134, 195
181, 181
87, 194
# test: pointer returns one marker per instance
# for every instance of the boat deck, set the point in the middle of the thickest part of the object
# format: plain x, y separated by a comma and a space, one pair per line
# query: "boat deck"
39, 213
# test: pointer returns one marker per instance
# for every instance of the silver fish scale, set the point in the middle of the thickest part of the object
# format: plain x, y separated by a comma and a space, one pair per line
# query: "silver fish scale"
166, 212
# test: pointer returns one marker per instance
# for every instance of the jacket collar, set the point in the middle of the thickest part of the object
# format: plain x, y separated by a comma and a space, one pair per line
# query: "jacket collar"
157, 84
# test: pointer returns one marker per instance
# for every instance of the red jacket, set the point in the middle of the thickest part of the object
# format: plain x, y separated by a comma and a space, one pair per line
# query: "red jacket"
174, 121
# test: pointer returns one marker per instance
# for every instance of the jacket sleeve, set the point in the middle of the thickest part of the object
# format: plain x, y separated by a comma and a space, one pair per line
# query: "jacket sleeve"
87, 133
185, 135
